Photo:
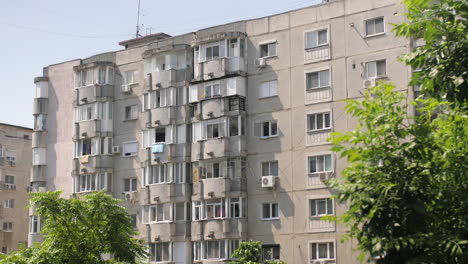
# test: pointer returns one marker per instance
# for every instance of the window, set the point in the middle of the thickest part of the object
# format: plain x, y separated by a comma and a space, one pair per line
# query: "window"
269, 129
270, 252
160, 135
233, 126
84, 147
197, 211
270, 211
131, 112
7, 226
159, 213
320, 121
235, 207
10, 179
270, 168
40, 122
212, 51
376, 69
90, 182
322, 163
85, 112
322, 251
130, 185
236, 103
214, 249
180, 212
129, 148
269, 88
131, 77
320, 207
268, 50
212, 90
35, 223
10, 203
212, 130
10, 155
215, 209
318, 79
157, 174
160, 252
213, 170
375, 26
316, 38
179, 175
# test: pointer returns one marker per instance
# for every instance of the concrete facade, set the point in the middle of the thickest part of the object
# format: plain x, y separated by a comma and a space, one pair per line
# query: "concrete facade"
219, 135
15, 167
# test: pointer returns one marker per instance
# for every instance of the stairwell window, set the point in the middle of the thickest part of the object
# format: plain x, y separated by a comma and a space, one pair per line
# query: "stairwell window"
268, 50
322, 251
269, 88
376, 69
375, 26
160, 252
270, 168
320, 207
130, 185
131, 112
316, 38
322, 163
319, 121
319, 79
270, 211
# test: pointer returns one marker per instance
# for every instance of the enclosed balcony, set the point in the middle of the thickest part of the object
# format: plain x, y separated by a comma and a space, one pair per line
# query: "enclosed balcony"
161, 232
157, 193
218, 88
163, 116
40, 106
39, 139
233, 228
216, 187
42, 87
38, 173
87, 129
161, 153
91, 164
91, 93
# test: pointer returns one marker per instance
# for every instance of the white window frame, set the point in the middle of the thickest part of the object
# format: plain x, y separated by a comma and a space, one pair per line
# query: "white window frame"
269, 53
197, 206
270, 87
149, 211
318, 72
225, 249
324, 127
316, 44
92, 182
132, 154
315, 202
35, 224
211, 87
7, 226
153, 257
269, 164
8, 176
373, 21
323, 165
131, 77
270, 133
132, 184
377, 75
317, 242
216, 203
211, 46
162, 176
133, 112
270, 217
184, 212
9, 203
270, 248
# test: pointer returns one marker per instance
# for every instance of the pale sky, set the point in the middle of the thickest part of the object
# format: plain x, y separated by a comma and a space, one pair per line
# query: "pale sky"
37, 33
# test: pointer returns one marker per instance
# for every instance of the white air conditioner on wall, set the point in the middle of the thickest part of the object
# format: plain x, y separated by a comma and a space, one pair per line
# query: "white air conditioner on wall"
325, 176
115, 149
126, 88
369, 83
268, 181
260, 62
130, 196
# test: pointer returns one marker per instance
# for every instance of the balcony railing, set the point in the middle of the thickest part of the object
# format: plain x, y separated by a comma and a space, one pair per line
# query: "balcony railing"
7, 186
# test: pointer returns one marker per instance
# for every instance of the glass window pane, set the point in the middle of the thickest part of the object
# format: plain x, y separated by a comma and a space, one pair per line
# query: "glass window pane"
371, 69
322, 37
381, 68
313, 80
331, 250
320, 121
328, 163
329, 206
266, 210
312, 164
126, 185
324, 78
327, 120
274, 168
320, 163
322, 251
379, 25
274, 129
370, 27
313, 208
265, 169
311, 39
263, 50
272, 49
266, 129
274, 210
321, 206
312, 122
314, 251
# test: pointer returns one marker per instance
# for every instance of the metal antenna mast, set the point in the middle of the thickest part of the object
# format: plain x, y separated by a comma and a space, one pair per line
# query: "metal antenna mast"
138, 21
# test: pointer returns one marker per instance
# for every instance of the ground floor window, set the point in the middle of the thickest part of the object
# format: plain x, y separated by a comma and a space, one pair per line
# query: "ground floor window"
160, 252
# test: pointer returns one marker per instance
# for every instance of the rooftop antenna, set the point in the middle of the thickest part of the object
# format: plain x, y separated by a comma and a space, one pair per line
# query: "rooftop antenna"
138, 22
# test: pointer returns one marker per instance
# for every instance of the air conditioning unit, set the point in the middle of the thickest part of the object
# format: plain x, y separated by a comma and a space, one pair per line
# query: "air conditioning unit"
13, 163
210, 114
210, 194
325, 176
210, 235
115, 149
268, 181
130, 196
156, 199
369, 83
211, 154
158, 85
211, 74
261, 63
126, 88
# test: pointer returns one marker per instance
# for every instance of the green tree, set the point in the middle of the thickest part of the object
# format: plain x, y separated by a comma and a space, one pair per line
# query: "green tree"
442, 59
406, 184
250, 252
79, 231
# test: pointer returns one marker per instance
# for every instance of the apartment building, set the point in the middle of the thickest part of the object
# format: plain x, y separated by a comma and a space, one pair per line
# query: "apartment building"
220, 135
15, 167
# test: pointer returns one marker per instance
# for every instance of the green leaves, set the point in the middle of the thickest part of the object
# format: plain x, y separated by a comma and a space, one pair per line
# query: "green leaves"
406, 182
80, 230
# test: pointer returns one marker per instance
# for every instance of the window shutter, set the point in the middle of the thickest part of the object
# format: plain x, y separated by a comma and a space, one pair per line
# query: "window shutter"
169, 134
